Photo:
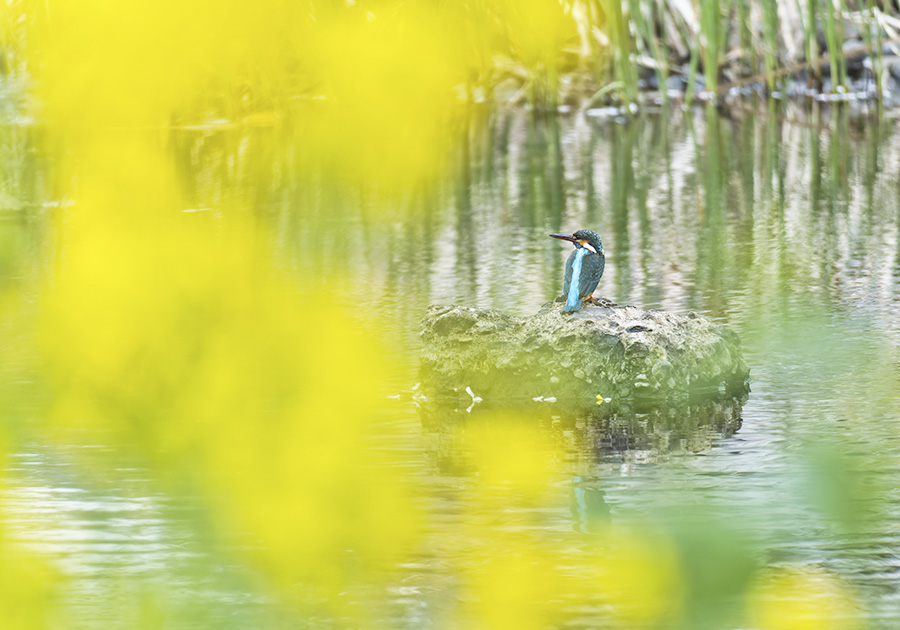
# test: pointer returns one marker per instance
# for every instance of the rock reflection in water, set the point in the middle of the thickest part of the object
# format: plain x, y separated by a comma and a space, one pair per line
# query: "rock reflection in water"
600, 434
585, 441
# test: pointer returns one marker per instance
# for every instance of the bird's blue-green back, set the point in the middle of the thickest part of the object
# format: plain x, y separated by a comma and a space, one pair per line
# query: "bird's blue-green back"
583, 271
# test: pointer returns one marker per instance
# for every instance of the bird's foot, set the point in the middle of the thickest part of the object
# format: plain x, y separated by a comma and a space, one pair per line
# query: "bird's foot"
601, 301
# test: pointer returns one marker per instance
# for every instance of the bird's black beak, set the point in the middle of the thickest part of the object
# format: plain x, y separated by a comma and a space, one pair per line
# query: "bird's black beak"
565, 237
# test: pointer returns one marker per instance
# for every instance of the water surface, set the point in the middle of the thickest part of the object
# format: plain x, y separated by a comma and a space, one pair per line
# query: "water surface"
781, 224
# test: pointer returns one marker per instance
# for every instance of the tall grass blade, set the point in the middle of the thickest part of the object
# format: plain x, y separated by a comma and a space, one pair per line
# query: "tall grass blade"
835, 45
872, 35
692, 74
649, 42
812, 41
620, 42
745, 31
711, 41
770, 41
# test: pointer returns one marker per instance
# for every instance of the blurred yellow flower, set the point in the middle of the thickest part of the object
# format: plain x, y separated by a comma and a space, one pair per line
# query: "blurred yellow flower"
639, 577
510, 451
802, 599
29, 589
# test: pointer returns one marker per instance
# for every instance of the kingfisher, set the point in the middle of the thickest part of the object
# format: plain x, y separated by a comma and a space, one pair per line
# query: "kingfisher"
584, 267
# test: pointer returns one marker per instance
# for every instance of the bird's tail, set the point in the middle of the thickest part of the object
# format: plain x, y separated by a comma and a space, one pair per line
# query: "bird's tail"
573, 302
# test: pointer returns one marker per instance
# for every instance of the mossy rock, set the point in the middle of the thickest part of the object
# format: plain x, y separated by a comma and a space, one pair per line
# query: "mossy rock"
624, 353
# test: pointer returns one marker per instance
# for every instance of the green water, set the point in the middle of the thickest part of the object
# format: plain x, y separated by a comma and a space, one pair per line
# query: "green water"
783, 225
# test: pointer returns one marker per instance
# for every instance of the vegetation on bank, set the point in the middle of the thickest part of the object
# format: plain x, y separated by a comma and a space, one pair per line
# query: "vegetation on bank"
549, 52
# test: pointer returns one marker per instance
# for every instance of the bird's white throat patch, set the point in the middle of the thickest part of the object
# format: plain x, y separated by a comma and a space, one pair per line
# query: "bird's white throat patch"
588, 247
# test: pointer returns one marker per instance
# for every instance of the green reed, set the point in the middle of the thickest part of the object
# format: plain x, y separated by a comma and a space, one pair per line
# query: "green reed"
692, 73
649, 42
811, 40
745, 30
711, 41
872, 36
620, 42
834, 41
770, 41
